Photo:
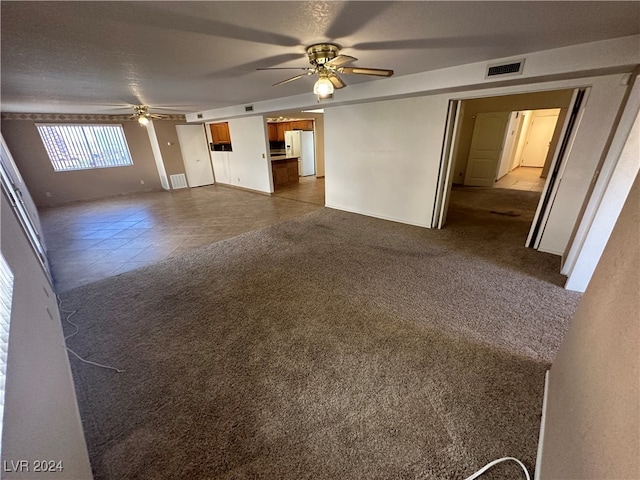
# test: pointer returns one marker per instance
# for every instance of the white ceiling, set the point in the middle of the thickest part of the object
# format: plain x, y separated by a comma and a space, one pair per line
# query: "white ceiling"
98, 57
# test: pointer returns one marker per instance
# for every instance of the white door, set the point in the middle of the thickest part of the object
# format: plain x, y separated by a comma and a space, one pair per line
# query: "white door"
509, 144
195, 154
486, 147
543, 123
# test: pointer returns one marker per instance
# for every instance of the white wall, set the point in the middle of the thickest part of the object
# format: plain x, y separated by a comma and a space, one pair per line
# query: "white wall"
247, 166
602, 106
41, 418
382, 158
598, 227
318, 128
220, 163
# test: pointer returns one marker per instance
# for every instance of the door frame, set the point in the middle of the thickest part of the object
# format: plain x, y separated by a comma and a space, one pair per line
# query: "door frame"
558, 164
445, 180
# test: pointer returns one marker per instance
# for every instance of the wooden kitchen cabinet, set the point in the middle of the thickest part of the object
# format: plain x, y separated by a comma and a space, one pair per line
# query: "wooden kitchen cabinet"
273, 132
281, 128
277, 129
220, 133
285, 172
302, 125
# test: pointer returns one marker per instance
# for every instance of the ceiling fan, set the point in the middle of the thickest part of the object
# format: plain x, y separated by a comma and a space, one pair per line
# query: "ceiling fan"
143, 116
327, 62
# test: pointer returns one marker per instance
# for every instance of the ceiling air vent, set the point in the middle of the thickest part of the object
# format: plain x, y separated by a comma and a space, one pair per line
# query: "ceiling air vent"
248, 108
512, 68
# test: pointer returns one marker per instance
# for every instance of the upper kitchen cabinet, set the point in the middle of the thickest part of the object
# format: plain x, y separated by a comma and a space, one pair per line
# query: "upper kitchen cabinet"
281, 128
273, 132
277, 129
220, 133
302, 125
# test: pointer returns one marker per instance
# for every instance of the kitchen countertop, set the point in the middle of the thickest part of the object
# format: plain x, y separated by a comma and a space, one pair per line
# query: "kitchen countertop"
277, 158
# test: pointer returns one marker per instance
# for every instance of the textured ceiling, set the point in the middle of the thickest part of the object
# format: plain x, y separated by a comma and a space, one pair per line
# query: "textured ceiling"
101, 57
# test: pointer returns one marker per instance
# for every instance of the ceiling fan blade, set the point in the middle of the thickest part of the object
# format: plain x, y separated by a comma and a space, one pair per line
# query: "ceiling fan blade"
290, 79
285, 68
336, 81
366, 71
177, 109
340, 60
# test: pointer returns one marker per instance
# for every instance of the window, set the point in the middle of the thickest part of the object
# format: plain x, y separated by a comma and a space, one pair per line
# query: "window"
6, 294
81, 147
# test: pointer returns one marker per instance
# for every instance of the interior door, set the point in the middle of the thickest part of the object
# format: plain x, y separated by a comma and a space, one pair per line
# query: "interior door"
486, 148
195, 154
510, 141
543, 124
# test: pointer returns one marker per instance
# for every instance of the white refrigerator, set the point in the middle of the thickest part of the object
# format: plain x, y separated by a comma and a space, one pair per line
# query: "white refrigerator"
299, 143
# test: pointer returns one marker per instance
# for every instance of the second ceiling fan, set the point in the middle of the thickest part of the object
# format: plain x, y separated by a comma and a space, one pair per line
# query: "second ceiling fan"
327, 62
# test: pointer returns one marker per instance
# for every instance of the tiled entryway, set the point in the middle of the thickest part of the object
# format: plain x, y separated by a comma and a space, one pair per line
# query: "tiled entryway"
522, 178
89, 241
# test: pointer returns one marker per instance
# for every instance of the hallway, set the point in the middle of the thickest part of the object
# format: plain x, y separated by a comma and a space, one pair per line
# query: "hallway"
522, 178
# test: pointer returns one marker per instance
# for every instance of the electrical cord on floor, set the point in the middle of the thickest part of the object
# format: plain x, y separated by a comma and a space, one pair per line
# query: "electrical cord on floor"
71, 313
495, 462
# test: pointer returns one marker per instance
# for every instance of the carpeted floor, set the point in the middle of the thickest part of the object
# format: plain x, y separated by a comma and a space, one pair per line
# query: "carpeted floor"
333, 346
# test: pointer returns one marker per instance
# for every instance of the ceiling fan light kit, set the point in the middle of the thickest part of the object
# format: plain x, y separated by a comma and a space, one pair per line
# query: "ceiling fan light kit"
323, 86
143, 116
327, 62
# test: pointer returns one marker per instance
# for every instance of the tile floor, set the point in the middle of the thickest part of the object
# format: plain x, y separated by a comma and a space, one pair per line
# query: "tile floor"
522, 178
89, 241
310, 189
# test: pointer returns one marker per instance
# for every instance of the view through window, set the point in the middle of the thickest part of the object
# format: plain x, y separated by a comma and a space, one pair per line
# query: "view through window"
6, 294
81, 147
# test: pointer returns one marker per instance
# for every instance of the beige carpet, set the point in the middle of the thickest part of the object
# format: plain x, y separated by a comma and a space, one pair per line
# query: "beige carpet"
333, 346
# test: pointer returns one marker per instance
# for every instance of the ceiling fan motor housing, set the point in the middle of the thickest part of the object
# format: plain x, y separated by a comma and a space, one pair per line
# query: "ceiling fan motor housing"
321, 53
141, 109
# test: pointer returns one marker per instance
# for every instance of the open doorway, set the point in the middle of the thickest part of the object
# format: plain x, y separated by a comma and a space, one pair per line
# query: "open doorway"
306, 183
506, 143
529, 145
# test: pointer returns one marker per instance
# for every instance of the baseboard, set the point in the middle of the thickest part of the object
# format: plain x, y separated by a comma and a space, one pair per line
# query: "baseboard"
543, 421
375, 215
